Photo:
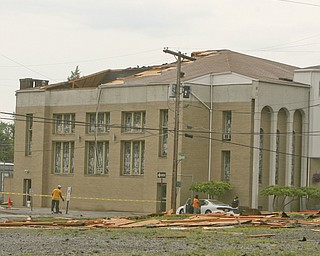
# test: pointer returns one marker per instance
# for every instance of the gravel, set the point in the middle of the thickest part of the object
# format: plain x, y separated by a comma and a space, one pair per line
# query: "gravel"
299, 240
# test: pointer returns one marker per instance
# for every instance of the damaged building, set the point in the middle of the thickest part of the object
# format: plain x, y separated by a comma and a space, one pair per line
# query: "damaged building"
108, 135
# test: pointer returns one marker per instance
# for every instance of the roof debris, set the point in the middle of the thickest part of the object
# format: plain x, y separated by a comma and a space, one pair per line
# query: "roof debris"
310, 218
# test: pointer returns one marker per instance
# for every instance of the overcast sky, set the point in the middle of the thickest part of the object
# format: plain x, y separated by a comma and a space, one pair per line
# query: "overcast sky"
47, 39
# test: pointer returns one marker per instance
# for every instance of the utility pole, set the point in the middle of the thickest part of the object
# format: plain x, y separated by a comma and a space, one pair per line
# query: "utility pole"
180, 56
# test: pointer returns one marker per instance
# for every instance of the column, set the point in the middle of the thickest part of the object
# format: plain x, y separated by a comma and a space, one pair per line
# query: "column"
273, 147
255, 160
289, 149
305, 173
289, 157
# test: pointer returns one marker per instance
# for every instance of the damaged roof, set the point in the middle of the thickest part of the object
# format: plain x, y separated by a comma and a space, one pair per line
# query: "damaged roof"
207, 62
96, 79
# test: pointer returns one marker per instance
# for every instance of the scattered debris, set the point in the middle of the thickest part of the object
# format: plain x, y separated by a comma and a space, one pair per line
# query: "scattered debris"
303, 239
169, 237
261, 235
207, 221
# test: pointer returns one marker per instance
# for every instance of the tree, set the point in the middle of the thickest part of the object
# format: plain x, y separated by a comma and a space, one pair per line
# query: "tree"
75, 74
6, 142
311, 192
283, 192
211, 188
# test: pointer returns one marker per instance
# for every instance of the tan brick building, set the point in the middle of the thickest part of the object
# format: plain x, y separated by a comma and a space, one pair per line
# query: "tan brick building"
107, 135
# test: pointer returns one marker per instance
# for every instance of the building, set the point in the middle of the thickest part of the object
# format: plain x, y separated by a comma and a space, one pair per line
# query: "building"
6, 174
109, 134
311, 76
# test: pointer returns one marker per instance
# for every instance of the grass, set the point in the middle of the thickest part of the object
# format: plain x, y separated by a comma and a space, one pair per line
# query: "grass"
194, 241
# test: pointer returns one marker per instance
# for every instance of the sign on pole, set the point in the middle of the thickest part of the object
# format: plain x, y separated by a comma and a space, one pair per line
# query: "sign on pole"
30, 199
69, 189
161, 175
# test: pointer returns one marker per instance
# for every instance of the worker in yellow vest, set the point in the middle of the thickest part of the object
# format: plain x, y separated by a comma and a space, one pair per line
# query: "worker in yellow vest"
55, 200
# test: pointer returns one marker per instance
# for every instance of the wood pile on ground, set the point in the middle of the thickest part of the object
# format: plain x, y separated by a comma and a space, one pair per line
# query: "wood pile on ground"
310, 218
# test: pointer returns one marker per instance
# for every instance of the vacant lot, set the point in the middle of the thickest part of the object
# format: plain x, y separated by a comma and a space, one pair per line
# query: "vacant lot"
243, 240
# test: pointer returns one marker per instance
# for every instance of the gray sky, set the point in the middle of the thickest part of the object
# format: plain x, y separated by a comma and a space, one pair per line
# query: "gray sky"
47, 39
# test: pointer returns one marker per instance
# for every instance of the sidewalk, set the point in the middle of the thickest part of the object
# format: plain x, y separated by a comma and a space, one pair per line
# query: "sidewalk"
20, 213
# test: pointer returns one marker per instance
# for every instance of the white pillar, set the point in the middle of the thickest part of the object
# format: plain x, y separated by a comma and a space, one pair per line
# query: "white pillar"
289, 150
255, 167
305, 159
304, 153
273, 147
289, 156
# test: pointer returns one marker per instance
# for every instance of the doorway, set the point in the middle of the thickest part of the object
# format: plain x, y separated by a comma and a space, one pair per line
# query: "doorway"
161, 197
26, 189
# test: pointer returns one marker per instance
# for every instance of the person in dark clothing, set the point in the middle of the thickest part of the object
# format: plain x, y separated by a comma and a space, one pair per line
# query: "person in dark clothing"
235, 204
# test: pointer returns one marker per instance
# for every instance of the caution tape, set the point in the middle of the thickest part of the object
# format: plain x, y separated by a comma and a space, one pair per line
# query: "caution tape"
84, 198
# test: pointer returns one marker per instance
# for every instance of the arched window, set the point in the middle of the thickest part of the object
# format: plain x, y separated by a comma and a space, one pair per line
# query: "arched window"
293, 159
277, 157
261, 155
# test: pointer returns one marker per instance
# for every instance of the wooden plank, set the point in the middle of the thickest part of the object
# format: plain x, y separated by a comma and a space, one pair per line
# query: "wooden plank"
141, 224
261, 235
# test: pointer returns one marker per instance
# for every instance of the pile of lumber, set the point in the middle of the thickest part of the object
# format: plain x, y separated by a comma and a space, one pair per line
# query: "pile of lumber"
208, 220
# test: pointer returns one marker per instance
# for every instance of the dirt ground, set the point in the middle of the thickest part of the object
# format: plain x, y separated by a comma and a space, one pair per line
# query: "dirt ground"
27, 241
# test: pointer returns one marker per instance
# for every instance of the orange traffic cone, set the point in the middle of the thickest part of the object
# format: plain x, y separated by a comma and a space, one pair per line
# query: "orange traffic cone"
9, 202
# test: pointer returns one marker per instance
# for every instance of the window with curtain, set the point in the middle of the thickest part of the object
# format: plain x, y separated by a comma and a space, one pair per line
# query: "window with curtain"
29, 133
63, 157
226, 170
133, 157
134, 121
227, 120
97, 157
163, 132
64, 123
101, 125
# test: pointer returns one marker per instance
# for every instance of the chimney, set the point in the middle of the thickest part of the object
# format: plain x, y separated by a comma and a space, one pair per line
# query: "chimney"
27, 83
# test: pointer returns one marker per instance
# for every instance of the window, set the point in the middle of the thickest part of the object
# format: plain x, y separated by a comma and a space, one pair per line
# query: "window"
63, 157
103, 123
133, 157
261, 156
226, 134
134, 121
64, 123
98, 157
277, 157
29, 130
293, 159
163, 132
226, 165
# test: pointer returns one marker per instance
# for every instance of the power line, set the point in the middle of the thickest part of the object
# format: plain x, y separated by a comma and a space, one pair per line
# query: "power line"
299, 2
77, 61
22, 65
180, 133
37, 119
